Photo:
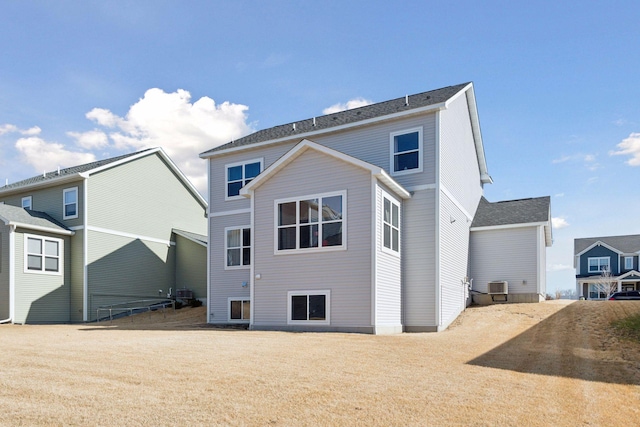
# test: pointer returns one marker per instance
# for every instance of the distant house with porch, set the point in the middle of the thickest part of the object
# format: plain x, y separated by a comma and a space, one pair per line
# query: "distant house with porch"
597, 256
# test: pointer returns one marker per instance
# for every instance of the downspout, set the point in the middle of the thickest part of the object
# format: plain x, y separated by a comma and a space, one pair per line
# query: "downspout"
12, 275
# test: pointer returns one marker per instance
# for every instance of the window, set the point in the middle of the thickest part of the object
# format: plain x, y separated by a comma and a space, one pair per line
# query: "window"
239, 310
406, 151
238, 247
391, 225
240, 174
628, 263
70, 203
310, 307
42, 254
26, 202
312, 222
598, 264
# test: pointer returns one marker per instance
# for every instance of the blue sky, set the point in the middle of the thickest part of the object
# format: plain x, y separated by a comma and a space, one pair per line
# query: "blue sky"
556, 85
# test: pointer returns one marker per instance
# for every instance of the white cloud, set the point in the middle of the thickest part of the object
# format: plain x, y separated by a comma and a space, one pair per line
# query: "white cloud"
47, 156
559, 267
353, 103
8, 128
558, 223
559, 195
629, 146
589, 160
90, 140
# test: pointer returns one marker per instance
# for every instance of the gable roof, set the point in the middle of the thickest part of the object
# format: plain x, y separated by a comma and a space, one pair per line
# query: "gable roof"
33, 220
622, 244
532, 211
75, 173
306, 145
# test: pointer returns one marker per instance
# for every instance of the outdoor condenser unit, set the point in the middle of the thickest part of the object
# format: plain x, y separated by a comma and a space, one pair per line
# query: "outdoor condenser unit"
498, 288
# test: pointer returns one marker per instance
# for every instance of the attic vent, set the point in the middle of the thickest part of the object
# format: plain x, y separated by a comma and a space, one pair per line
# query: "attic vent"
498, 288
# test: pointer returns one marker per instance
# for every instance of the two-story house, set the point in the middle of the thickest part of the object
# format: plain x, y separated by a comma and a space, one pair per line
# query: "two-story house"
356, 221
599, 260
106, 232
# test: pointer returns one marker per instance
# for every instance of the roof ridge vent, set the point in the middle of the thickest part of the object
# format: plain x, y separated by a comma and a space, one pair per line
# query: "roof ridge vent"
294, 127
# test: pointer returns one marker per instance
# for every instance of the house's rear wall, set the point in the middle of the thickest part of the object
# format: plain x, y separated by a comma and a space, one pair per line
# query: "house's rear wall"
4, 272
191, 267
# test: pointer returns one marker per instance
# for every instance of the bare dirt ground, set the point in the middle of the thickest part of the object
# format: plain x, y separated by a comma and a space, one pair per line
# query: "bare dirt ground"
548, 364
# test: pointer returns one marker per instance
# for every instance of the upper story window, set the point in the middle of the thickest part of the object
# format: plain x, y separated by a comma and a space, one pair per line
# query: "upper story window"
628, 263
70, 203
406, 151
239, 175
311, 222
26, 202
238, 247
391, 225
598, 264
42, 254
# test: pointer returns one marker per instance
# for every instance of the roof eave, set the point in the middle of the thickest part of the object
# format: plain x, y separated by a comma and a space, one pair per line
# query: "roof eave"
40, 228
42, 184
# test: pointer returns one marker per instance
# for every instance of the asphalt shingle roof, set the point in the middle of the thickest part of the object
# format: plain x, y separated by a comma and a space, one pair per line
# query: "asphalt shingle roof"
626, 244
329, 121
29, 217
508, 212
67, 171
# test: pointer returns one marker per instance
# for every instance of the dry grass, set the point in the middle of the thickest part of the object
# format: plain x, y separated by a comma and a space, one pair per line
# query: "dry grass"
520, 364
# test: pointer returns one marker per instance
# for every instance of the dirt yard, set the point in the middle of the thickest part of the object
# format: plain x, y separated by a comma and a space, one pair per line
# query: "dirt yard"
548, 364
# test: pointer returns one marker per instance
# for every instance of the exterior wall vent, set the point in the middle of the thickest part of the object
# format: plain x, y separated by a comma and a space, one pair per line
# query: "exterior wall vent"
498, 288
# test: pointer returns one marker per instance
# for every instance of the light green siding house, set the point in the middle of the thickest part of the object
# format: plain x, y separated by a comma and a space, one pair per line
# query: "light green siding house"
101, 233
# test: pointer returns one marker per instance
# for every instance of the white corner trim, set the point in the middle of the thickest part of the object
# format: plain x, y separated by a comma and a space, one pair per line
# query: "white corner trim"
129, 235
422, 187
12, 273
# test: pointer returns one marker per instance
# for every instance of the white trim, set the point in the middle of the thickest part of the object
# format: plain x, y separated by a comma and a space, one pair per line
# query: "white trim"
625, 262
43, 255
436, 240
327, 307
420, 149
30, 199
379, 119
455, 201
12, 272
233, 212
243, 179
505, 226
85, 251
374, 250
252, 268
421, 187
41, 228
397, 203
599, 243
243, 299
599, 258
209, 239
128, 235
241, 247
65, 204
297, 225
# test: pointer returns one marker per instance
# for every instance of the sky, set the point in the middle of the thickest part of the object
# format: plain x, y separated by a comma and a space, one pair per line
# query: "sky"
557, 87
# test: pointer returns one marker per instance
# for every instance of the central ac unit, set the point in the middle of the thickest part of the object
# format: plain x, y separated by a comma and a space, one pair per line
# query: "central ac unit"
498, 288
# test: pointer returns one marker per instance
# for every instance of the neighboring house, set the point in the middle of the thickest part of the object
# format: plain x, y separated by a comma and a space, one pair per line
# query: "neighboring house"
106, 232
508, 243
595, 256
357, 221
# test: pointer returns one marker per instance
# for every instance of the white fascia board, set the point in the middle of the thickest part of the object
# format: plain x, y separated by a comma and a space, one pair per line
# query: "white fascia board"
40, 228
179, 233
629, 273
599, 243
506, 226
41, 184
485, 178
402, 114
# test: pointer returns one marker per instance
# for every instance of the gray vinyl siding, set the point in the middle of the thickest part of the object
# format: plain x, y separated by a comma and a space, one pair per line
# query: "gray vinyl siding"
77, 276
459, 171
454, 250
505, 254
419, 259
388, 277
4, 272
345, 273
143, 197
369, 143
41, 298
50, 200
225, 283
123, 269
191, 267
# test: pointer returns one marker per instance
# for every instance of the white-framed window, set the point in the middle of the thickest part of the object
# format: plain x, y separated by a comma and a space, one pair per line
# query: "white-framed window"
628, 263
239, 310
390, 225
70, 203
240, 174
26, 202
309, 307
598, 264
237, 247
42, 255
406, 151
311, 223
